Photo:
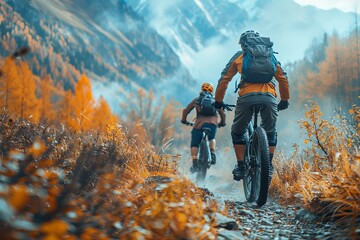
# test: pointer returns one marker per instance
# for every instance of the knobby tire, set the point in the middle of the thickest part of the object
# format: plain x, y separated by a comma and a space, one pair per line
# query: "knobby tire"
203, 160
250, 177
257, 179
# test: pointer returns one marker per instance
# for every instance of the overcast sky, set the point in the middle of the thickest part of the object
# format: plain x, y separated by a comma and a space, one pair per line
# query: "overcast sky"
345, 5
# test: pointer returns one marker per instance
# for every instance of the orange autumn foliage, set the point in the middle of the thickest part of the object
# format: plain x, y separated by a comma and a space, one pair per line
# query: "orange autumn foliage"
335, 77
102, 115
18, 196
47, 108
17, 90
83, 104
65, 105
324, 177
10, 87
154, 117
54, 229
28, 102
78, 110
104, 188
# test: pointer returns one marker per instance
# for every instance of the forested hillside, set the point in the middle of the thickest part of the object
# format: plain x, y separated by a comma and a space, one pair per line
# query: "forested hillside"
330, 71
24, 95
72, 38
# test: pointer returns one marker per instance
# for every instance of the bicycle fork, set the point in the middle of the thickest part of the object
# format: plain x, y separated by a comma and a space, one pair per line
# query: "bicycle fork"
205, 153
249, 152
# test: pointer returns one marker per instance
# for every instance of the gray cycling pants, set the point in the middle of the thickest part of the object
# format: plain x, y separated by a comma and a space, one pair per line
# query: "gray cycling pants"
244, 113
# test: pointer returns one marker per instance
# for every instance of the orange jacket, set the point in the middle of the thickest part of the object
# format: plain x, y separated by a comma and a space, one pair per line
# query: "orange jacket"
234, 66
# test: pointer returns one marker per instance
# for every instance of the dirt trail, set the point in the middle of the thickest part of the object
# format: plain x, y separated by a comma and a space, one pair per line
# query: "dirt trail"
271, 221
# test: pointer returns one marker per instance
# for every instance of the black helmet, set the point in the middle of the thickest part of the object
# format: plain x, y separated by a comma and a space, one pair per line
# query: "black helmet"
246, 34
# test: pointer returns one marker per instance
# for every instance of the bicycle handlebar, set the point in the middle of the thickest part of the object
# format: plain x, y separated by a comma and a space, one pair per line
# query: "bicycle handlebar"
191, 124
228, 107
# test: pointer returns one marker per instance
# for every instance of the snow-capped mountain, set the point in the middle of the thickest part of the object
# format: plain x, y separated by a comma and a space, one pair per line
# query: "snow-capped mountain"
191, 26
205, 33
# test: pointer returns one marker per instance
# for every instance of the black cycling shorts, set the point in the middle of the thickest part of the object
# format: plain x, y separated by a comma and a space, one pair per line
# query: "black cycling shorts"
197, 134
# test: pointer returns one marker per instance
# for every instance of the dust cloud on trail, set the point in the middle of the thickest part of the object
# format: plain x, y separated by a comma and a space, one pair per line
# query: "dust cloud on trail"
219, 179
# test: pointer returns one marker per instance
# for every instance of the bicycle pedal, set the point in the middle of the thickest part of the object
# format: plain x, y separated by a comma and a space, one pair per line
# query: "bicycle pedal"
237, 178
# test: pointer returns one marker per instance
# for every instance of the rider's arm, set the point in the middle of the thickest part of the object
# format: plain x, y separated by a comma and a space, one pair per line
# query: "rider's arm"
188, 109
222, 116
226, 75
281, 77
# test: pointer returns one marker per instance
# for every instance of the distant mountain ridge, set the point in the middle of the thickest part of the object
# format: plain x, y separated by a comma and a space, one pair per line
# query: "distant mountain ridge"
124, 45
106, 40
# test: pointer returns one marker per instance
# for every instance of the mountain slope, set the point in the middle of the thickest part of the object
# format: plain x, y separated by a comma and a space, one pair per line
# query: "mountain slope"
190, 26
106, 40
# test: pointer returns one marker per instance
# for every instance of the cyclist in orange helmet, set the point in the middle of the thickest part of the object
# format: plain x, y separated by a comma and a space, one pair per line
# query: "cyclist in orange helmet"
206, 116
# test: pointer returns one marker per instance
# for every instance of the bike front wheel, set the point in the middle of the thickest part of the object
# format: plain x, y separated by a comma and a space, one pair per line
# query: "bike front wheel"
257, 168
203, 160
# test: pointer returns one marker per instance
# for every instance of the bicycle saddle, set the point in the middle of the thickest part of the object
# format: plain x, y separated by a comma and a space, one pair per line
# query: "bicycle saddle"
206, 130
257, 107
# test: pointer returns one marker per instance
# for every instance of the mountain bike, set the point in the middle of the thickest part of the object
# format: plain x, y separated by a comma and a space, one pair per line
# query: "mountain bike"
257, 162
204, 160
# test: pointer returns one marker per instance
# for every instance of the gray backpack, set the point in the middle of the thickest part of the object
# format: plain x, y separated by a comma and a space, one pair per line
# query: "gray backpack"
259, 62
206, 102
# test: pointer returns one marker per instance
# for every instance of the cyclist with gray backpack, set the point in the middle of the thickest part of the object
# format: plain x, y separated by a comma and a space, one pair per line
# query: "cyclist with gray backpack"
258, 67
207, 116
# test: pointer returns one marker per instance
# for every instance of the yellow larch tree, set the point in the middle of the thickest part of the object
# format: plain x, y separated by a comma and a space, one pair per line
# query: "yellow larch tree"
47, 111
102, 115
65, 108
29, 106
84, 103
10, 87
338, 73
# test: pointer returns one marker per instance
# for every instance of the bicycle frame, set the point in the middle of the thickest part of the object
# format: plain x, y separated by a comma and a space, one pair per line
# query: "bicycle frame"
253, 126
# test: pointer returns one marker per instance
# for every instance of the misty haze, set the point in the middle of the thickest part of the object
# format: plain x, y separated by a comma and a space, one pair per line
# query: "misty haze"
104, 105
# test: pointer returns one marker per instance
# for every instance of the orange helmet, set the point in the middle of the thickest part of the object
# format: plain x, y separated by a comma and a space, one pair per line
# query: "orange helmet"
207, 87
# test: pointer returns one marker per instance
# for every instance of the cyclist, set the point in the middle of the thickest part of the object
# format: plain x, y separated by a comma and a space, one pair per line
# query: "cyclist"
249, 94
203, 119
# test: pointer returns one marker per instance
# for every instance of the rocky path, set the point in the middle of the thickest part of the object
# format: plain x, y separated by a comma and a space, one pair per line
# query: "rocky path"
271, 221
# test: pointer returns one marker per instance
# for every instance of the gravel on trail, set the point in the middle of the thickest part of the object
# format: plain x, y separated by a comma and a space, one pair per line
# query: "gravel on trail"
272, 221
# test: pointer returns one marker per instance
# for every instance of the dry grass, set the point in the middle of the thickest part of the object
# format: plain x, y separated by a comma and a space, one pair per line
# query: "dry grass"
56, 184
325, 177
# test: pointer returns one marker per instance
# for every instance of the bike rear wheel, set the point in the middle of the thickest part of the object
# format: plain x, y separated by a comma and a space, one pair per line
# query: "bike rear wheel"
203, 160
257, 167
